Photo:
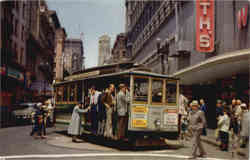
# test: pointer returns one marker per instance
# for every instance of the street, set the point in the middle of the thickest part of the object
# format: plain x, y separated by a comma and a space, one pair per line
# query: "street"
17, 144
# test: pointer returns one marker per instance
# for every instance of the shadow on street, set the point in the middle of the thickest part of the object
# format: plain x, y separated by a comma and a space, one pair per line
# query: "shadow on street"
120, 145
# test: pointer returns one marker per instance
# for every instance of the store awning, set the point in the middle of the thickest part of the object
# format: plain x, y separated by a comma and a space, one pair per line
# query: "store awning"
217, 67
41, 87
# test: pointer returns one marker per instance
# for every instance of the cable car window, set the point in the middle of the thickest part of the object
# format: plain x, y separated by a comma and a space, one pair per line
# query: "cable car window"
79, 92
140, 89
157, 91
65, 93
72, 92
59, 94
171, 91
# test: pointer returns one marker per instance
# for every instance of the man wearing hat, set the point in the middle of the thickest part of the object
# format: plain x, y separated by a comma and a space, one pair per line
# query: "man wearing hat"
197, 123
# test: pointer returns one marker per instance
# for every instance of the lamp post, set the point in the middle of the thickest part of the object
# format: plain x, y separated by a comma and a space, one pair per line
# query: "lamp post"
63, 61
161, 51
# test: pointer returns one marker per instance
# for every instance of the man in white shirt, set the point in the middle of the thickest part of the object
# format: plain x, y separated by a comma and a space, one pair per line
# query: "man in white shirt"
224, 125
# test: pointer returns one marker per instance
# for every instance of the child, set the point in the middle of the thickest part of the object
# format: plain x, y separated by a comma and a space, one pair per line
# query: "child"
224, 123
184, 126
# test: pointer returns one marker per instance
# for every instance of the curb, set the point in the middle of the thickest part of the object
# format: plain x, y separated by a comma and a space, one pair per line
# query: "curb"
173, 144
215, 143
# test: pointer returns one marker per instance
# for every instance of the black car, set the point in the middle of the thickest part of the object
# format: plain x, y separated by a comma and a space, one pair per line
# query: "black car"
22, 112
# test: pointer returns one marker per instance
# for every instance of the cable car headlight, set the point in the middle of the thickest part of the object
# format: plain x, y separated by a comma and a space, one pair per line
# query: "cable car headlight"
157, 123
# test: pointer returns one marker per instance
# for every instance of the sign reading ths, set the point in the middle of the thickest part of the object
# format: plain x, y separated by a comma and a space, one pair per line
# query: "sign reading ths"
242, 17
205, 25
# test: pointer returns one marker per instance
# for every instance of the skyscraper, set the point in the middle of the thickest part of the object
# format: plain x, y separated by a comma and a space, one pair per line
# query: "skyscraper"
104, 50
73, 55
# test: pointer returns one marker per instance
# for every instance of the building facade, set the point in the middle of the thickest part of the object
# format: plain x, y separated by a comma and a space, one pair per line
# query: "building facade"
220, 73
73, 55
104, 50
119, 51
41, 42
27, 53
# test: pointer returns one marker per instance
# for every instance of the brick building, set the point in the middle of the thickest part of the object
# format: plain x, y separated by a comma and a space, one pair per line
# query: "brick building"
73, 55
27, 53
119, 51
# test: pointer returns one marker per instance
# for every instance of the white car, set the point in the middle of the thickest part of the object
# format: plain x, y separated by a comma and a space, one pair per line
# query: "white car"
23, 111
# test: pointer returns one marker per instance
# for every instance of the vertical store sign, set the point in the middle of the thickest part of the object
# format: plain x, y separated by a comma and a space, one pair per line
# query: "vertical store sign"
205, 25
242, 17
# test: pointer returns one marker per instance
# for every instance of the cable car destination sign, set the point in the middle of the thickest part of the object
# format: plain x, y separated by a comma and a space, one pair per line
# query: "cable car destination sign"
205, 25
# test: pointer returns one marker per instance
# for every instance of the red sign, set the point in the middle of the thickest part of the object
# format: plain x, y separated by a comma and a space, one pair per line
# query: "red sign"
3, 70
205, 25
242, 17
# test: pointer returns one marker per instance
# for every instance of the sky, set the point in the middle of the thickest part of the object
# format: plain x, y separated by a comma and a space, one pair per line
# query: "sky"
92, 17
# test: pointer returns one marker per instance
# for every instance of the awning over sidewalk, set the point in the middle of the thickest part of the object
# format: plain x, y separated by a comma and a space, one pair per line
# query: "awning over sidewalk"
216, 67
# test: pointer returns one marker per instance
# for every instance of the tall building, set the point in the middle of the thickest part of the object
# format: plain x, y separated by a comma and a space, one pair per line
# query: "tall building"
73, 55
104, 50
209, 45
60, 39
42, 25
119, 51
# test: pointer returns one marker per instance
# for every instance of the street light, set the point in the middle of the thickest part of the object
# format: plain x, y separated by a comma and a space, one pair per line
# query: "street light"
63, 60
161, 51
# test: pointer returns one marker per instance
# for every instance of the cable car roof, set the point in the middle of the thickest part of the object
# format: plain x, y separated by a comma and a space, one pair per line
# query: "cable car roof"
127, 72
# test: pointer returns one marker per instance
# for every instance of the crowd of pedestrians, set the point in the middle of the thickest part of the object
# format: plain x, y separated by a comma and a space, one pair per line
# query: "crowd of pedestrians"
42, 117
232, 124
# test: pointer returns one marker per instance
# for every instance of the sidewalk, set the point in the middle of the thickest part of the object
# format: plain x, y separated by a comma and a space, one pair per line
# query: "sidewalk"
210, 139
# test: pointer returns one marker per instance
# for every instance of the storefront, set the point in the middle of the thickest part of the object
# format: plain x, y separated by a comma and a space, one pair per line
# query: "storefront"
223, 77
12, 91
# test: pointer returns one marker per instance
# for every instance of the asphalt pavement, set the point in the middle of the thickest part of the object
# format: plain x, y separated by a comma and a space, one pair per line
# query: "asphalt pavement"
15, 143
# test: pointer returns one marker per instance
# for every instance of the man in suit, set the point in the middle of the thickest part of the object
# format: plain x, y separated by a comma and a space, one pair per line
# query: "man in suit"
122, 109
94, 109
196, 124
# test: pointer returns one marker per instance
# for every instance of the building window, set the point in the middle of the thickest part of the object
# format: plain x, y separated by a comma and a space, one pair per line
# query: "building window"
21, 56
23, 9
15, 52
183, 62
16, 5
23, 33
16, 27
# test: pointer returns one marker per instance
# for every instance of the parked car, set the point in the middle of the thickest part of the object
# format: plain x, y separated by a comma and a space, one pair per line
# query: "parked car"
22, 112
